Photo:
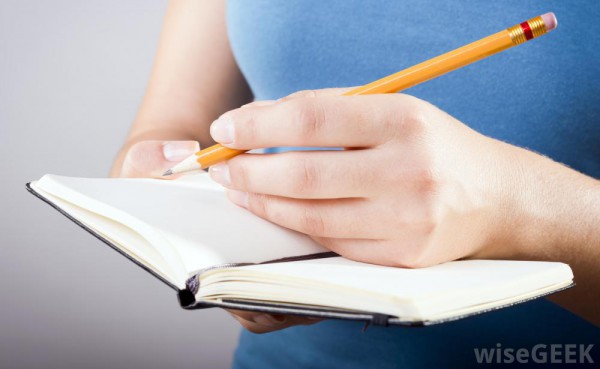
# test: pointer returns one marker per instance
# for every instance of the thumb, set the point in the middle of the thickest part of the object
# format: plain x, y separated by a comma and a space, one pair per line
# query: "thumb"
302, 94
152, 158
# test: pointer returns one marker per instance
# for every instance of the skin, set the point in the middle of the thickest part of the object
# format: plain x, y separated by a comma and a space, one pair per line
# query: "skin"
194, 80
415, 187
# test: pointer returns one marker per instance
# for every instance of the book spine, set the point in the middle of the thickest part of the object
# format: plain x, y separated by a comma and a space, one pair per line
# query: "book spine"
187, 297
193, 283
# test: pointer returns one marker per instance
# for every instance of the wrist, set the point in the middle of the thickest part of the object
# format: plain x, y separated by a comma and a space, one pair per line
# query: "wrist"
559, 222
548, 213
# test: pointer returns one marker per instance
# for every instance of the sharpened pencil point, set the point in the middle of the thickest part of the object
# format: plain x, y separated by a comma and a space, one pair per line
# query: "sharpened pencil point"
168, 173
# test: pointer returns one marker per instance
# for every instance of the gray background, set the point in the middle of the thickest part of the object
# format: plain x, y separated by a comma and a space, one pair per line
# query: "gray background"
72, 74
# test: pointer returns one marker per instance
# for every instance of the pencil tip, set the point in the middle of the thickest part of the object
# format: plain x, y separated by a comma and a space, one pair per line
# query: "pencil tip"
168, 173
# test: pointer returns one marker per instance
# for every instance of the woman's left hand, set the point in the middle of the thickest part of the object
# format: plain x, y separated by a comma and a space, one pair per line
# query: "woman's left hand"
415, 186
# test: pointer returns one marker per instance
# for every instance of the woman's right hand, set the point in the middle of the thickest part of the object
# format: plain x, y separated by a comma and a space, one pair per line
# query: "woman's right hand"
150, 159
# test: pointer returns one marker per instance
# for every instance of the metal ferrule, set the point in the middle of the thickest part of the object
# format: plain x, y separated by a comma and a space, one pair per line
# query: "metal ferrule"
528, 30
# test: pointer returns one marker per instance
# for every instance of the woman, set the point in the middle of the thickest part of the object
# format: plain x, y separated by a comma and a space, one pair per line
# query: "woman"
422, 186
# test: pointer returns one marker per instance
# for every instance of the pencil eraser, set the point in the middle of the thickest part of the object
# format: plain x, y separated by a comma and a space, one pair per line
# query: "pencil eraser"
549, 21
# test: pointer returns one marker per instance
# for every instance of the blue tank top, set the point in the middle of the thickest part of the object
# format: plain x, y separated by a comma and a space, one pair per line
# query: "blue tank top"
543, 95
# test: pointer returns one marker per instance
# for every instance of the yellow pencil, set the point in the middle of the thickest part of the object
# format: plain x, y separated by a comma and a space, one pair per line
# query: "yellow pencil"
406, 78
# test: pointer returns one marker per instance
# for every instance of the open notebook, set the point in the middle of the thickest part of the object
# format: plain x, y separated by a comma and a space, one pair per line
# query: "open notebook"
214, 253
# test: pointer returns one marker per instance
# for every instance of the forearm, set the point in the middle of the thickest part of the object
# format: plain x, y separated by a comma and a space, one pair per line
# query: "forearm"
194, 77
560, 221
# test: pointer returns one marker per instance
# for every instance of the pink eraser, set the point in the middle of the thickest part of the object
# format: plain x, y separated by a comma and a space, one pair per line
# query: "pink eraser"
549, 21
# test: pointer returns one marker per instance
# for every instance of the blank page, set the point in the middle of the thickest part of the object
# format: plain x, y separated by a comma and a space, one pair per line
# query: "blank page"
191, 215
431, 291
131, 242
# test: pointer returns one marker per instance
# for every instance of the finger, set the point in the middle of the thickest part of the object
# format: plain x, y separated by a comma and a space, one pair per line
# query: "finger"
340, 218
259, 103
330, 121
258, 328
363, 250
298, 94
317, 93
404, 252
262, 323
260, 318
153, 158
302, 175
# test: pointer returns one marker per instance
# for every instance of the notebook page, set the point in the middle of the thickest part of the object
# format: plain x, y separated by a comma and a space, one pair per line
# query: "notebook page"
131, 235
195, 216
433, 290
134, 244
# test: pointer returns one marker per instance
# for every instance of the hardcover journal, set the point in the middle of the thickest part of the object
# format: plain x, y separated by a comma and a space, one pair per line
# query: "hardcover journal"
214, 254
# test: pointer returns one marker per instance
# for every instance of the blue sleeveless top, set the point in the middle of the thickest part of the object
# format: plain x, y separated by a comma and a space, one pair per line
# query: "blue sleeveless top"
543, 95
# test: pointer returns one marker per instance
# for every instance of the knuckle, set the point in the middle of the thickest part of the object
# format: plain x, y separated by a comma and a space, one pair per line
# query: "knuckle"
258, 204
302, 93
391, 127
311, 222
239, 175
426, 217
305, 177
411, 256
417, 252
265, 206
250, 133
428, 181
333, 244
410, 118
309, 118
417, 172
429, 222
410, 262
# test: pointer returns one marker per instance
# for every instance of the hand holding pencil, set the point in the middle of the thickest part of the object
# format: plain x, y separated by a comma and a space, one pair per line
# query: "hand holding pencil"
415, 176
407, 78
398, 200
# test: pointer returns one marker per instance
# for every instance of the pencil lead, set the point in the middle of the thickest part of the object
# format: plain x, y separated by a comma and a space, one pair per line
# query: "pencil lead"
168, 173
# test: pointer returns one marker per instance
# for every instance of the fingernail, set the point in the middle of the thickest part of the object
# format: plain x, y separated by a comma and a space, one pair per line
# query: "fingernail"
269, 320
178, 150
238, 197
220, 174
222, 130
